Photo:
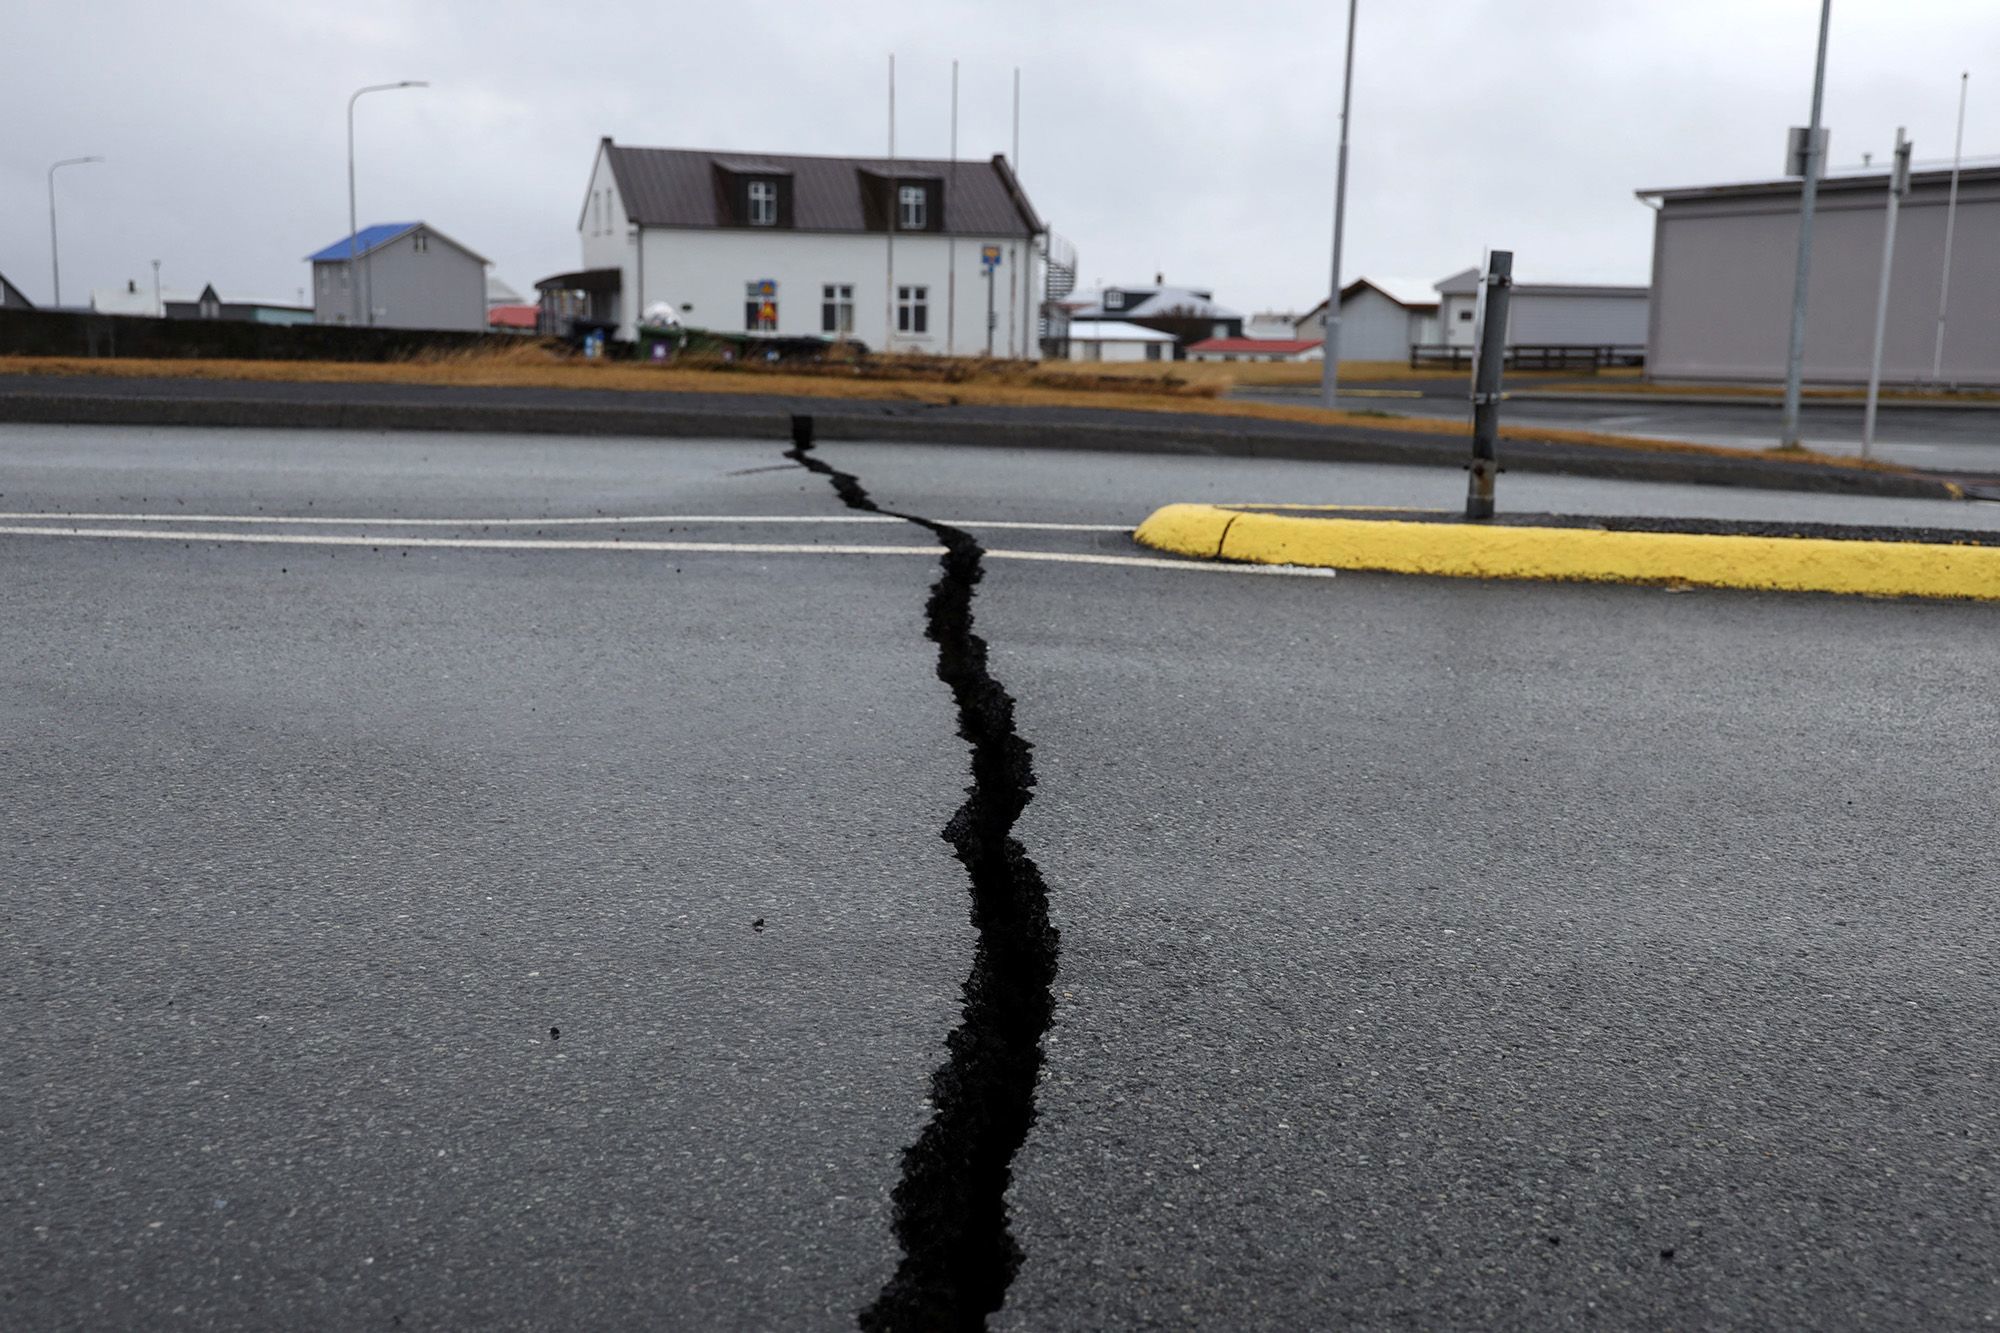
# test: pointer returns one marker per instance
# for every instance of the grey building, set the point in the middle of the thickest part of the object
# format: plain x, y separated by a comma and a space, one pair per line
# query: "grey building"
1548, 314
1723, 266
411, 274
11, 297
1375, 323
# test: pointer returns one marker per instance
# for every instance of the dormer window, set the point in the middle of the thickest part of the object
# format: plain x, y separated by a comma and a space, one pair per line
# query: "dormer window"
763, 203
912, 212
1114, 300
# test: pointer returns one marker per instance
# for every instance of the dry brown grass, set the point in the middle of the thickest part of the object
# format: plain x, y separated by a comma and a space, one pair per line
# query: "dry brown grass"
999, 384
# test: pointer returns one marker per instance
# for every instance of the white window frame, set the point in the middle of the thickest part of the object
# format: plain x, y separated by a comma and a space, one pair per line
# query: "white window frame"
912, 208
763, 203
839, 297
913, 307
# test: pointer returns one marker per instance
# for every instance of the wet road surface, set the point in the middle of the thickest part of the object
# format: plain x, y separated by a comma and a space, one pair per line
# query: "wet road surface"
433, 929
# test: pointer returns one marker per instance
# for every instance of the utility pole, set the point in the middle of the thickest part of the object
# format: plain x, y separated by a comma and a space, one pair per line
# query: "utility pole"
895, 206
159, 306
1899, 185
1494, 291
55, 263
1329, 371
1950, 217
951, 235
1015, 274
1795, 354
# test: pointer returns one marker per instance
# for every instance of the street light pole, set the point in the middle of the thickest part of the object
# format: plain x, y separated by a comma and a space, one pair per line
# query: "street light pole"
1795, 354
1899, 185
353, 278
1950, 217
1329, 372
55, 263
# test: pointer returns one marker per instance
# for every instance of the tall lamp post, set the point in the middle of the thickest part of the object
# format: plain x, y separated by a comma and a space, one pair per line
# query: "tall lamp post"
1795, 352
353, 243
1329, 373
55, 263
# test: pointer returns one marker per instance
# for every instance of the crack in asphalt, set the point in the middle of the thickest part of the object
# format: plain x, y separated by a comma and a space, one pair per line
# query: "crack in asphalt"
950, 1206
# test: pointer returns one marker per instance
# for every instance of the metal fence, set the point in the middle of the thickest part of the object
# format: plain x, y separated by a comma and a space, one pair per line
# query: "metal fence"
1590, 357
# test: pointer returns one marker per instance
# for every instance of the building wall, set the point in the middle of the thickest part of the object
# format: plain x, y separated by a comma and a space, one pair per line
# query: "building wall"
1085, 348
1584, 319
441, 287
334, 301
1457, 318
1373, 328
608, 240
709, 270
1576, 318
1723, 273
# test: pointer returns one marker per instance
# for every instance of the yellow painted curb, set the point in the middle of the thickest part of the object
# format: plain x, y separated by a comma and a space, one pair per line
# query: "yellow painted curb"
1463, 550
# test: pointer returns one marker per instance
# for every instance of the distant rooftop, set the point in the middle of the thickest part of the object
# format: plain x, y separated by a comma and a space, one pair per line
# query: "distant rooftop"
1117, 330
1840, 178
363, 242
1142, 302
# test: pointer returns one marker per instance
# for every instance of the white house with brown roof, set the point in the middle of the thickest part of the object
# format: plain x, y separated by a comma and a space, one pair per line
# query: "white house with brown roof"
892, 254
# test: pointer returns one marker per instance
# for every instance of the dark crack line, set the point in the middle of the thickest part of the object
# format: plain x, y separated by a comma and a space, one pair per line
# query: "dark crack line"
950, 1206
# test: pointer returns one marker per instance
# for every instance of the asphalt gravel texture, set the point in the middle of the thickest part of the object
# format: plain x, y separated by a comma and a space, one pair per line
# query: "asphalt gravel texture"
434, 937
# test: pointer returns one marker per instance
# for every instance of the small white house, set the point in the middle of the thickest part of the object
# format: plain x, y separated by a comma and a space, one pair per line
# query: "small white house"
399, 275
906, 255
1273, 324
1116, 340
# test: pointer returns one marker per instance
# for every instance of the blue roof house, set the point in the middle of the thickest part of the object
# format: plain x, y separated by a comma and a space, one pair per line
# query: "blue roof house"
399, 275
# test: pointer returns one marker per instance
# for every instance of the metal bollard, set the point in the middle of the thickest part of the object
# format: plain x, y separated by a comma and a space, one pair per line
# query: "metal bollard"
802, 431
1498, 282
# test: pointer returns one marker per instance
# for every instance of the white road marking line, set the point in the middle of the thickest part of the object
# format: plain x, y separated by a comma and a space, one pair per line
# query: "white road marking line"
581, 544
463, 543
308, 520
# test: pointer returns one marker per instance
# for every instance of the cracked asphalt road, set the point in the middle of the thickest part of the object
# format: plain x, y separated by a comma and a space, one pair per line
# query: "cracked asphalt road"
1434, 954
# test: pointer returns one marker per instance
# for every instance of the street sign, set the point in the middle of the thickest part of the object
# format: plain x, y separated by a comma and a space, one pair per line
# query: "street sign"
989, 257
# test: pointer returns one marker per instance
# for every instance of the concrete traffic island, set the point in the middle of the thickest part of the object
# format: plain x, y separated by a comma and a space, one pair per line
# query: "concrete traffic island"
1704, 553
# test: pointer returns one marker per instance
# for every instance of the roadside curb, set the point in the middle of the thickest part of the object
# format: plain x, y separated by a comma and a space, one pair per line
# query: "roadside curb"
1352, 539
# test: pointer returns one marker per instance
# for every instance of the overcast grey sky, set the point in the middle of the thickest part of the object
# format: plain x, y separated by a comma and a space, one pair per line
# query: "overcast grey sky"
1193, 139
